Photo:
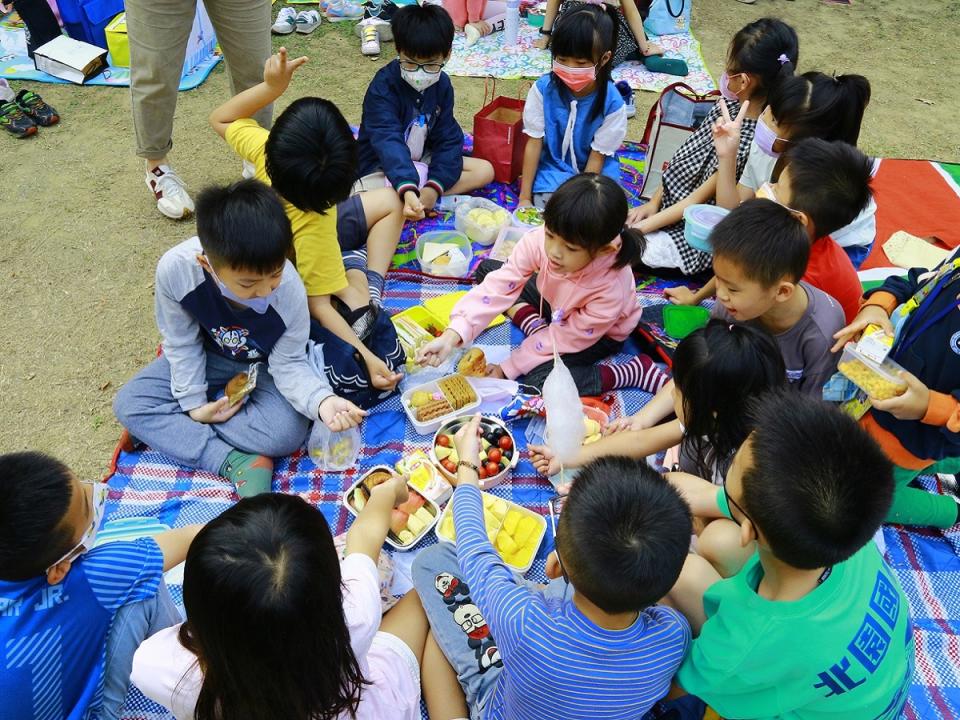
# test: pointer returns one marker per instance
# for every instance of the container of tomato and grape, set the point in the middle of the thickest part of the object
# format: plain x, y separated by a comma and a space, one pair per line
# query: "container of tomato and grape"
498, 452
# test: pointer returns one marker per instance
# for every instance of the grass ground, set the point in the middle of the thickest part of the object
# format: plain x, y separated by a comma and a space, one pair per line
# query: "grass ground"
82, 236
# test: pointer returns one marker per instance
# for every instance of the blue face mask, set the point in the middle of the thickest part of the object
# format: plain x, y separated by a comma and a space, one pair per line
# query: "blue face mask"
258, 304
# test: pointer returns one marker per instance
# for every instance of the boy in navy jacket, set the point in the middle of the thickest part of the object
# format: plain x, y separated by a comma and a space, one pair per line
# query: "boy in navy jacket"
409, 137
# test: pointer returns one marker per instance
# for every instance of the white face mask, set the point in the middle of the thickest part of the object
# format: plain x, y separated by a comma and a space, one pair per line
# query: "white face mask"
420, 79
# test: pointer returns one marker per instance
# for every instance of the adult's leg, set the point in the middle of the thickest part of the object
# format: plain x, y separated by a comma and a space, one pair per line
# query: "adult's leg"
158, 31
243, 31
146, 407
476, 173
267, 424
132, 625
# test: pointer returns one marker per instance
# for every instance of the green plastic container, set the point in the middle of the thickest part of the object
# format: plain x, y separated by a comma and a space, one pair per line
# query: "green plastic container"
681, 320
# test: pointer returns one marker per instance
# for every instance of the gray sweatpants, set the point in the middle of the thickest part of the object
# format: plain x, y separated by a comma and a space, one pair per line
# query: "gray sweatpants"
158, 31
266, 424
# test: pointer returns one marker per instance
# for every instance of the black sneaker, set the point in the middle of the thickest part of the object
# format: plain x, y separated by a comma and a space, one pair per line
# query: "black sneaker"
13, 120
34, 106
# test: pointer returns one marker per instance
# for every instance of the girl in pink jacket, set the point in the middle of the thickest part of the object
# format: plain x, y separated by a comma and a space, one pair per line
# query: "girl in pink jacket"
567, 284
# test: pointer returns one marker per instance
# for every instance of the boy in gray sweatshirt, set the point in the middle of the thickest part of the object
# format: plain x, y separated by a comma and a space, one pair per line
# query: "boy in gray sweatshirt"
224, 301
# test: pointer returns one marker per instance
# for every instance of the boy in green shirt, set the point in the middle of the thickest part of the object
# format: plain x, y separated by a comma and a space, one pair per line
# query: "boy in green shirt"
814, 626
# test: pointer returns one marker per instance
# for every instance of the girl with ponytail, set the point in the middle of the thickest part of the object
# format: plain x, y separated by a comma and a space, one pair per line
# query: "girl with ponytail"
569, 287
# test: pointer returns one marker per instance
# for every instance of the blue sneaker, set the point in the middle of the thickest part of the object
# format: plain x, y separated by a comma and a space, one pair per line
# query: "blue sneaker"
341, 10
626, 92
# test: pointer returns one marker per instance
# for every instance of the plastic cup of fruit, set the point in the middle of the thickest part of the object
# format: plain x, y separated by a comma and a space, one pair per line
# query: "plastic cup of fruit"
528, 217
481, 220
491, 428
454, 264
416, 525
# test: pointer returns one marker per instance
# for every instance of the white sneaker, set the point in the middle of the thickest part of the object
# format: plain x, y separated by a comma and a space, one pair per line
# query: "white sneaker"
370, 41
383, 28
170, 192
307, 21
248, 170
286, 22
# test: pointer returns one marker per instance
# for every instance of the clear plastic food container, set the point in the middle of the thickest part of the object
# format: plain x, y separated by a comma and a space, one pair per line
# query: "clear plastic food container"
879, 380
481, 220
440, 261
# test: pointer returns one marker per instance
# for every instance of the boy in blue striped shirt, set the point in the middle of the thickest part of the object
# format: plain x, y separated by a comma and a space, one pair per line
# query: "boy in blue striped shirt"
72, 615
592, 643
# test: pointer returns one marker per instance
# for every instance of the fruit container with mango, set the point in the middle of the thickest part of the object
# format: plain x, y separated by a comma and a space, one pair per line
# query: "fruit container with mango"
481, 220
409, 521
498, 454
430, 405
514, 531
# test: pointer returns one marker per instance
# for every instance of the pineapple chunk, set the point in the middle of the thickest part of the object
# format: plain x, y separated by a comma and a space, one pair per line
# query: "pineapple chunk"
447, 529
415, 525
405, 537
492, 535
521, 557
499, 509
487, 499
506, 545
526, 530
490, 520
510, 522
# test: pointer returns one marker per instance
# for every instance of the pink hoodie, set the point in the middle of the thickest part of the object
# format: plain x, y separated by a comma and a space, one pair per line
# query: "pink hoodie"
587, 305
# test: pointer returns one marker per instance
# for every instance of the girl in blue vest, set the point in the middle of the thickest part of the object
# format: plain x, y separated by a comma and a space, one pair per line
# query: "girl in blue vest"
574, 117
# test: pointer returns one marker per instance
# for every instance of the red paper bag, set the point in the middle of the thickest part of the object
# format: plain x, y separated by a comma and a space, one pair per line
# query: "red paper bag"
498, 136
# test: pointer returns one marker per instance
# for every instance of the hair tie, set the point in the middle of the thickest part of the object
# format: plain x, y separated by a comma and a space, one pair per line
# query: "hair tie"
783, 59
730, 327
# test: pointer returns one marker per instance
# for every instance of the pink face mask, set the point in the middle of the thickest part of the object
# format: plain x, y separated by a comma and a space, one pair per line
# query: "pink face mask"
575, 78
725, 90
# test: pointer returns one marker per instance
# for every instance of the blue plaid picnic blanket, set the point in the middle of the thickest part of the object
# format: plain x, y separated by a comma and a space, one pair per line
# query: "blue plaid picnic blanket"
146, 483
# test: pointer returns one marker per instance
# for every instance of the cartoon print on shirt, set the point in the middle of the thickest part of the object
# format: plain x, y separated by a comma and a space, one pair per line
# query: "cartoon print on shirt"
235, 340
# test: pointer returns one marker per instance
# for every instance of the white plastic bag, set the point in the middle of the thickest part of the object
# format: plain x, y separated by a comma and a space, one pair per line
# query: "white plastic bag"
333, 451
565, 428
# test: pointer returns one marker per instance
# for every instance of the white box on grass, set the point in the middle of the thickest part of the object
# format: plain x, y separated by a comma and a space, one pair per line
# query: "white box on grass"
71, 60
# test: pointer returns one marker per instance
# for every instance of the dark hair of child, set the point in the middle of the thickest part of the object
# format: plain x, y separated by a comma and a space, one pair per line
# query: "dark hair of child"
263, 596
244, 227
818, 105
818, 485
765, 240
623, 534
35, 493
587, 33
423, 31
718, 369
829, 182
590, 211
767, 48
311, 155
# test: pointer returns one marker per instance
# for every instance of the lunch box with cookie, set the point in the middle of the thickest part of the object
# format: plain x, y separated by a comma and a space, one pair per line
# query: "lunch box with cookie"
431, 404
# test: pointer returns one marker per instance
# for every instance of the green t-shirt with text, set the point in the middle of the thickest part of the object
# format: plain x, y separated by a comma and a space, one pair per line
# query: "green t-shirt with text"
844, 651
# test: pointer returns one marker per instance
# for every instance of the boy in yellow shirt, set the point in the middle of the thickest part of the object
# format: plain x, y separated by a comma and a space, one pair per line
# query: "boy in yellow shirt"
344, 243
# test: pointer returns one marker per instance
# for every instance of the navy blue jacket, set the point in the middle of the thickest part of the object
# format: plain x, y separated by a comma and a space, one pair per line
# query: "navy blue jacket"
934, 358
390, 107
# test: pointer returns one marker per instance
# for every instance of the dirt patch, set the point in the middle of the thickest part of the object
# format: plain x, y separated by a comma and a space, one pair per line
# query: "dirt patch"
82, 236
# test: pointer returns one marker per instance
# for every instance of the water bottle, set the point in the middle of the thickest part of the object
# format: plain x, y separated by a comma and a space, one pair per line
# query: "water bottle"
511, 24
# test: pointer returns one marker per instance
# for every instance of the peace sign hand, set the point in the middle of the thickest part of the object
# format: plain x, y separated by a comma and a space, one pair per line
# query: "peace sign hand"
278, 70
726, 132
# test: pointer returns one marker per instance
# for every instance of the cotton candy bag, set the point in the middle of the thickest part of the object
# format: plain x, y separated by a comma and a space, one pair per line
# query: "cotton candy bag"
565, 428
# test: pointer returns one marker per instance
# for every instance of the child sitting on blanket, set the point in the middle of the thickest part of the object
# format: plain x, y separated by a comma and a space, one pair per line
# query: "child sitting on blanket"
278, 626
919, 430
593, 643
409, 138
716, 370
569, 287
224, 301
828, 185
814, 624
71, 615
477, 18
343, 243
760, 253
574, 117
761, 54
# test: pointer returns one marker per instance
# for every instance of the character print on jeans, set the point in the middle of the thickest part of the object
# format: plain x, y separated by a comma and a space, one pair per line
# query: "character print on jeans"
456, 595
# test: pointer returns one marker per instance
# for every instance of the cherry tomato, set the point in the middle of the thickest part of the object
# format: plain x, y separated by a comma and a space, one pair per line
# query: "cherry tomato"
494, 455
505, 443
444, 441
449, 466
492, 468
483, 472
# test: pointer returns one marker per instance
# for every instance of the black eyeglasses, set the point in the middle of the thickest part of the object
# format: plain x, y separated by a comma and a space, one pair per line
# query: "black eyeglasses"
411, 66
733, 502
555, 505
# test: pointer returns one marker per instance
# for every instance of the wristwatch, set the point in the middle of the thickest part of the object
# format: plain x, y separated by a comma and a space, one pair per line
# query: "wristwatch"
546, 31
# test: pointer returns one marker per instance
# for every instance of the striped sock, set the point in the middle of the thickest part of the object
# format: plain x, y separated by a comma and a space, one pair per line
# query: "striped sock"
528, 319
355, 259
640, 372
375, 283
